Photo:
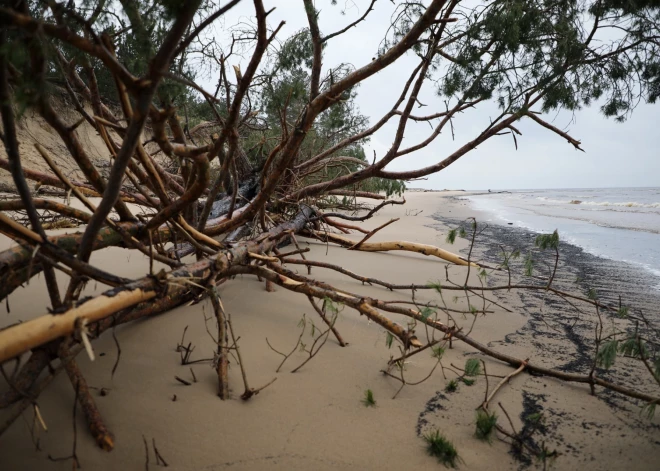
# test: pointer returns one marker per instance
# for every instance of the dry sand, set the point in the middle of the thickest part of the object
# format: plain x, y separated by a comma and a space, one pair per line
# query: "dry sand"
313, 419
32, 128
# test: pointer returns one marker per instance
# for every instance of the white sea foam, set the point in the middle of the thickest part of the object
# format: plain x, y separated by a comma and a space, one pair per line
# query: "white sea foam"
619, 224
577, 201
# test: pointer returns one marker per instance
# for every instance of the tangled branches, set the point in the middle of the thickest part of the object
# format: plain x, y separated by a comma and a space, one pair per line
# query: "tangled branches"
263, 159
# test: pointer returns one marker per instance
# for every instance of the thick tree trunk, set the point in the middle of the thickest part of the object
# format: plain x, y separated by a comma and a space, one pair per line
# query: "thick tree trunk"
28, 335
15, 268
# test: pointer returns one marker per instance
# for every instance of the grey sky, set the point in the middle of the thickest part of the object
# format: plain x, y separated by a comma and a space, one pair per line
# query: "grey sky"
616, 154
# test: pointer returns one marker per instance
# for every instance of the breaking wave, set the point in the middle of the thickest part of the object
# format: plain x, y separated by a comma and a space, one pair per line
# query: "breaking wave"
628, 204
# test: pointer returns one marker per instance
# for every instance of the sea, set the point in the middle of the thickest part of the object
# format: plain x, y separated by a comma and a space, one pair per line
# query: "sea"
621, 224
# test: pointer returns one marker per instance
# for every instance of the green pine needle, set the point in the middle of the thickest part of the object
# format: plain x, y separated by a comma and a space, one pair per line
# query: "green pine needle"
426, 312
436, 286
485, 425
529, 265
331, 306
437, 445
545, 241
467, 381
472, 367
607, 353
622, 312
389, 339
536, 417
633, 348
437, 352
368, 399
649, 410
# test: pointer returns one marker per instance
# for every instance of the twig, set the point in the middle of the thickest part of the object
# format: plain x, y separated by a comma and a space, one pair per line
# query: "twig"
295, 347
312, 352
372, 233
183, 381
331, 325
159, 457
146, 453
248, 393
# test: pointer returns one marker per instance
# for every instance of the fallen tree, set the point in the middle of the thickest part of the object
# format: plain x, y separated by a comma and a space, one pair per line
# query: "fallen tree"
287, 145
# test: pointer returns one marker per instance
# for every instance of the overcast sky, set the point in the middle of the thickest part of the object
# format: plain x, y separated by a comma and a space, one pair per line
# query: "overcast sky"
617, 155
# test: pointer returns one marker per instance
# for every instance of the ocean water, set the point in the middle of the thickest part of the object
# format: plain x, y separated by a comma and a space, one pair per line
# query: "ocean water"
616, 223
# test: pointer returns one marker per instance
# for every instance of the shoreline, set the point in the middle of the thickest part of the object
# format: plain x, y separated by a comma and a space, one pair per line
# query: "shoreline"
607, 275
315, 418
578, 271
623, 227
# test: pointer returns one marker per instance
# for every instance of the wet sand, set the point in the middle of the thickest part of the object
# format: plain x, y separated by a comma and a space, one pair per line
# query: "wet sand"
314, 419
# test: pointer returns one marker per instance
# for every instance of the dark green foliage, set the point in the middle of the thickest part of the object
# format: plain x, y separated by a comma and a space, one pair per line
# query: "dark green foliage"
286, 89
437, 286
332, 306
390, 187
546, 456
452, 386
622, 312
472, 367
426, 312
545, 241
633, 347
624, 6
485, 425
137, 29
535, 418
649, 410
389, 339
607, 353
437, 445
437, 352
508, 257
368, 399
529, 264
549, 45
592, 294
451, 235
466, 381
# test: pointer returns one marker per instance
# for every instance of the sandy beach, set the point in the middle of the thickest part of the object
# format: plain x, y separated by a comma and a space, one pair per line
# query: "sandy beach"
315, 418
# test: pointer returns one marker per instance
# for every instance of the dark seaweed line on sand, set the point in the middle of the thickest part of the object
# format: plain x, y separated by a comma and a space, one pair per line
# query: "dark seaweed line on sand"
607, 277
578, 271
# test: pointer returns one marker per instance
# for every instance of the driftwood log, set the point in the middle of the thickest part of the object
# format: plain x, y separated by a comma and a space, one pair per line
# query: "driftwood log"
262, 169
